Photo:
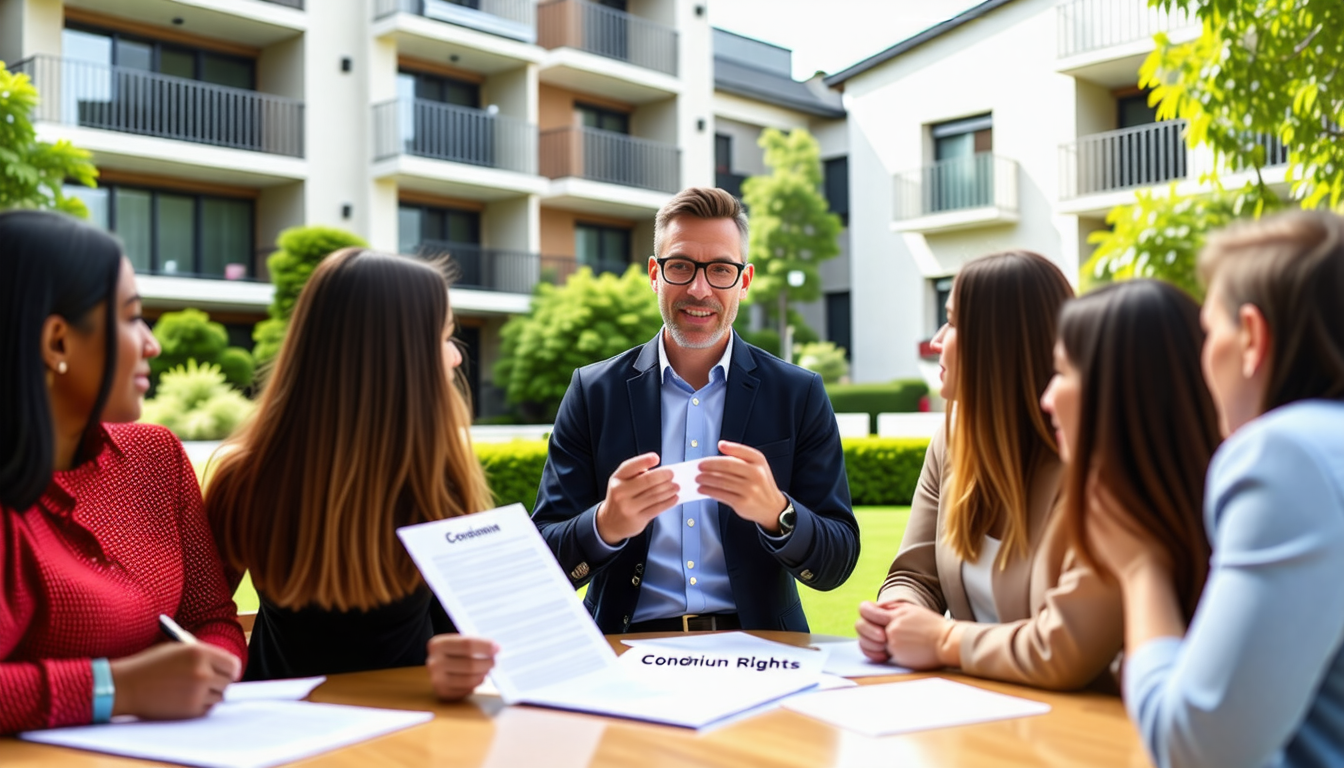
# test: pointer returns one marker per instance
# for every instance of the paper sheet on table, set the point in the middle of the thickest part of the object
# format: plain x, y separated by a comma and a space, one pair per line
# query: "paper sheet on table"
716, 642
496, 577
273, 690
683, 474
918, 705
846, 660
247, 734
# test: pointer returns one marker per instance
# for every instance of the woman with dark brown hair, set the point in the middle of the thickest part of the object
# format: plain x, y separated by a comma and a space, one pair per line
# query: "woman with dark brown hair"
361, 429
981, 543
1250, 672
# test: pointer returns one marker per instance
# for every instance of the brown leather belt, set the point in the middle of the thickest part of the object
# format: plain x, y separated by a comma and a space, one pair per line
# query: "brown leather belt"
691, 622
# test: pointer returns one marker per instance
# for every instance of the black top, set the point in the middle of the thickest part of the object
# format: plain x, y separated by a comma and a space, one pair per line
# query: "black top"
313, 641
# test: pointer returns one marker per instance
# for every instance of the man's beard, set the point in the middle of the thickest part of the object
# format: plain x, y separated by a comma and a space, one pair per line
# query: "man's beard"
682, 336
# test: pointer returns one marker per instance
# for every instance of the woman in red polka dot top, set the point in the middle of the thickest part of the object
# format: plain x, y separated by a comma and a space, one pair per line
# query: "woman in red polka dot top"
101, 528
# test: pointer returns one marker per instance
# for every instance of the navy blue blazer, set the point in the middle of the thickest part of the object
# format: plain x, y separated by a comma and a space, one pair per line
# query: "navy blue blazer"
612, 411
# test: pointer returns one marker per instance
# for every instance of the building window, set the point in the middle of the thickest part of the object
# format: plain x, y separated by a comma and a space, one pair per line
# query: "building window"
441, 90
418, 225
117, 49
838, 321
166, 232
605, 249
723, 153
835, 173
602, 118
942, 291
961, 176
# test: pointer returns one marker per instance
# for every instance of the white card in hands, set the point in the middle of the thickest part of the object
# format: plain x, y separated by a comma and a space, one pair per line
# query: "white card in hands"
683, 474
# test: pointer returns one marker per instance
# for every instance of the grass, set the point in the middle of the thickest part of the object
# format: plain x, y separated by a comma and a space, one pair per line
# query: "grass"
830, 613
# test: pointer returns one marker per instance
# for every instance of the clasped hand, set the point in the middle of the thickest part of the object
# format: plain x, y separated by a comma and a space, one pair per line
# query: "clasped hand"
908, 634
639, 490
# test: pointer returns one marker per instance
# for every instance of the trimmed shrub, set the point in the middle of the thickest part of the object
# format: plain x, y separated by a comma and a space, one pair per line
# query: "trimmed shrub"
513, 470
882, 471
824, 358
196, 403
190, 334
300, 251
900, 396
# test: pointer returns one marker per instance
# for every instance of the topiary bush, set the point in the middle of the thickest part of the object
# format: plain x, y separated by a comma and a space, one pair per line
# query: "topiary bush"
824, 358
301, 249
900, 396
197, 403
191, 335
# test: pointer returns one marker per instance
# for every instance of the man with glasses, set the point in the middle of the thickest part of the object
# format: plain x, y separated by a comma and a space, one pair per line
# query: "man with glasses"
778, 506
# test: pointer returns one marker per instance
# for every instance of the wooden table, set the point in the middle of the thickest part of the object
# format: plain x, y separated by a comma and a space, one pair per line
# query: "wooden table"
1081, 730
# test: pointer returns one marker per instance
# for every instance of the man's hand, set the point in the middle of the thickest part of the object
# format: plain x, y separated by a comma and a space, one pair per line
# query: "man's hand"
636, 493
741, 478
458, 664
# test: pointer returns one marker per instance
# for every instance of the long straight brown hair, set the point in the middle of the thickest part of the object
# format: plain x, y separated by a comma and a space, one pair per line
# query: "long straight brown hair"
1147, 427
1005, 307
360, 430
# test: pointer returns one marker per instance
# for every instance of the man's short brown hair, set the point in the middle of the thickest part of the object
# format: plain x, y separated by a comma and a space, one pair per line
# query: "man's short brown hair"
1290, 267
702, 203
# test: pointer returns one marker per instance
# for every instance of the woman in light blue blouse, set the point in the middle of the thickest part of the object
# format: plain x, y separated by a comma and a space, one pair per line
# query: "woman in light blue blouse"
1256, 677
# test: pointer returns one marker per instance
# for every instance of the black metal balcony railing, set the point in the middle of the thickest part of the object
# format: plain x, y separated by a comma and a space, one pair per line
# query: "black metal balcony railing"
491, 269
730, 182
1091, 25
510, 18
1130, 157
457, 134
615, 158
978, 181
607, 32
149, 104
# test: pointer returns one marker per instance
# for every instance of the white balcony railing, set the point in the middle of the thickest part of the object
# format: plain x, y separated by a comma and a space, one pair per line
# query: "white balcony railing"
1130, 157
1091, 25
516, 19
983, 180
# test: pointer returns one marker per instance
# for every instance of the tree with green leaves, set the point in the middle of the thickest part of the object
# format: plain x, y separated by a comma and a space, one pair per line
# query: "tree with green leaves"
33, 173
792, 227
191, 335
1262, 74
588, 319
301, 250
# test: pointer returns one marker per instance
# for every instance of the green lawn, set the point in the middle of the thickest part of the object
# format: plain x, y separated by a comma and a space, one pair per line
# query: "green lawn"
831, 613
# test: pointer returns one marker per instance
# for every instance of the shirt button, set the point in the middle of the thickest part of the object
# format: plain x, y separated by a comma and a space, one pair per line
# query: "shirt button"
691, 523
692, 581
695, 443
690, 563
695, 401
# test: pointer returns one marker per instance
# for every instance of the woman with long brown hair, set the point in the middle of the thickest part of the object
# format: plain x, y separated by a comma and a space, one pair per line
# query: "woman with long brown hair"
981, 543
1250, 672
361, 429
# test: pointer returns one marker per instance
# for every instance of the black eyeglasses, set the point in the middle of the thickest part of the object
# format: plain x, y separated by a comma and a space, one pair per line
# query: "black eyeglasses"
677, 270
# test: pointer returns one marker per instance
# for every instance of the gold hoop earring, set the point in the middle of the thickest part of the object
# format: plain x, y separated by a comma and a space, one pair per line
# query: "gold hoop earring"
61, 367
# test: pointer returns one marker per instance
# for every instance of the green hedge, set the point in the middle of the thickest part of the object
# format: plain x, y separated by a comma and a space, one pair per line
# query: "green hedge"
900, 396
882, 470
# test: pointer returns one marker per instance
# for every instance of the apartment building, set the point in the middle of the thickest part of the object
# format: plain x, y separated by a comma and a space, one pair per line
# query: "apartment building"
754, 90
525, 139
1016, 124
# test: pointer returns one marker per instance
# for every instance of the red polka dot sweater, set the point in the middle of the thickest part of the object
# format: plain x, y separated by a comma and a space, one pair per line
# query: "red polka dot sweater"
87, 570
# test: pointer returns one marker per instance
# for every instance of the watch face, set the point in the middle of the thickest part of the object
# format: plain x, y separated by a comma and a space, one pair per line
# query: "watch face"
787, 519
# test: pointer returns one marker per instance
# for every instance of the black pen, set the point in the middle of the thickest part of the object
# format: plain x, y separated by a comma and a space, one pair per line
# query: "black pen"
174, 630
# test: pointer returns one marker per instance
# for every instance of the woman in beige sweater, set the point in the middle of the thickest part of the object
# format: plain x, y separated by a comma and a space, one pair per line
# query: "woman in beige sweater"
982, 546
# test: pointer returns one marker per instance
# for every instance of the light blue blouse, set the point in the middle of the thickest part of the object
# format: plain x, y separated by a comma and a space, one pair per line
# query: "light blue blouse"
1258, 680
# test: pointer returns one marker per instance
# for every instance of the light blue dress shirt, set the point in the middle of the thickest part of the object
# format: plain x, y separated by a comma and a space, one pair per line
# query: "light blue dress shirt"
1258, 680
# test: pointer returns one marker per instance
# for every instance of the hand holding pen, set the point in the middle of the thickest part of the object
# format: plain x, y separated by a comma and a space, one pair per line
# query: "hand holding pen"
173, 681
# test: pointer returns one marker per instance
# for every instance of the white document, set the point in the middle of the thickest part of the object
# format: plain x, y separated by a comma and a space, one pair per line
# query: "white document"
684, 474
919, 705
846, 660
249, 734
273, 690
719, 642
496, 577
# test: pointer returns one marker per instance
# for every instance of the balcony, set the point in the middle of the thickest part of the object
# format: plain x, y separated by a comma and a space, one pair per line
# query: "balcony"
454, 134
487, 269
960, 193
514, 19
1092, 25
132, 101
1118, 160
611, 158
607, 32
730, 182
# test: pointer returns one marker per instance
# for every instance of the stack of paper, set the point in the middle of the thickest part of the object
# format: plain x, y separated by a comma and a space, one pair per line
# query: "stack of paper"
495, 576
881, 710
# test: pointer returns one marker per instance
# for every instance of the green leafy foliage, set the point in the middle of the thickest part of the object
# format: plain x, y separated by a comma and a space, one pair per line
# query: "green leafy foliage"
792, 228
822, 357
301, 249
880, 470
191, 335
197, 403
1260, 71
33, 173
584, 321
900, 396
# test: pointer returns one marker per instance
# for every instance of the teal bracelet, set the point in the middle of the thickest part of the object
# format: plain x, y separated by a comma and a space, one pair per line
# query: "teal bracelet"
103, 691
